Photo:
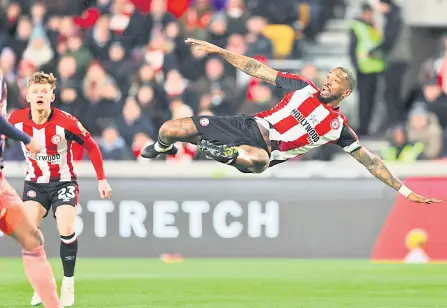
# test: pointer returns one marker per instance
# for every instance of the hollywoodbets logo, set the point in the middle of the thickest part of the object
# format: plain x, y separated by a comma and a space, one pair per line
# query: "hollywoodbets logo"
313, 136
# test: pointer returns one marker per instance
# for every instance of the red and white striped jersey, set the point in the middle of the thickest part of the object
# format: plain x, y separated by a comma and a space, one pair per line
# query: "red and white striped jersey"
54, 163
300, 122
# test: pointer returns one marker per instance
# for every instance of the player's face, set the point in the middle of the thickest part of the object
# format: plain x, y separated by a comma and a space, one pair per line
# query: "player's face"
335, 88
40, 96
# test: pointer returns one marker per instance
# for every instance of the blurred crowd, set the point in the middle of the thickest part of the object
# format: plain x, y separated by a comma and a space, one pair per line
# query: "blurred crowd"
123, 67
416, 118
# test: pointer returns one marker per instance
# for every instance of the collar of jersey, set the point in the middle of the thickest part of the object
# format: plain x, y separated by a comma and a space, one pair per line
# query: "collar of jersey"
41, 125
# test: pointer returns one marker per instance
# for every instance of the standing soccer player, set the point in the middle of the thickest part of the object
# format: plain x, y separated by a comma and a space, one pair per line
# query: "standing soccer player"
51, 182
15, 223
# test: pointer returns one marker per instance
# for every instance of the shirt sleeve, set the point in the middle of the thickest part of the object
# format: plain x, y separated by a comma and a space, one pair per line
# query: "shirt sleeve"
288, 81
75, 131
12, 132
348, 140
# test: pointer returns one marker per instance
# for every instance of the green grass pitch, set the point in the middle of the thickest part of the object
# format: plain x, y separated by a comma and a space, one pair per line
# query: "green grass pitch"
240, 283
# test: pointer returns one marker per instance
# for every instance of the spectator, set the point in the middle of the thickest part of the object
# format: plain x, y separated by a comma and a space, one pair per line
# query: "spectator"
133, 121
38, 13
10, 19
235, 16
395, 48
435, 100
112, 145
258, 44
99, 38
8, 62
158, 19
176, 87
119, 65
420, 138
363, 37
103, 95
72, 102
153, 104
218, 30
67, 71
197, 18
38, 50
79, 52
236, 44
221, 87
423, 127
140, 141
20, 41
310, 72
442, 72
263, 99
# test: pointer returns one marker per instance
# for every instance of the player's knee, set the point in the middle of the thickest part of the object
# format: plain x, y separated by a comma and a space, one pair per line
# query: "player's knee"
260, 162
66, 219
32, 240
66, 228
168, 129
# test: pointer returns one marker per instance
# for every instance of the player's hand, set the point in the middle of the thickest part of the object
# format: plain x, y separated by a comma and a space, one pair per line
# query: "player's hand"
33, 147
420, 199
203, 45
105, 191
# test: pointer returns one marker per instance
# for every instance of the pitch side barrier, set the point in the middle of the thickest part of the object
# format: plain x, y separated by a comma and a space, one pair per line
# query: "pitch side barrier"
307, 210
348, 168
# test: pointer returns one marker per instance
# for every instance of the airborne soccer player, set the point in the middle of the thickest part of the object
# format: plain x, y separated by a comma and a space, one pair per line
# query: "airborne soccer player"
306, 118
15, 222
50, 179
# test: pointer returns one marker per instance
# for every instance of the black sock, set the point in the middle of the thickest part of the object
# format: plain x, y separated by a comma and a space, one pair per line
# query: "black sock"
162, 144
69, 252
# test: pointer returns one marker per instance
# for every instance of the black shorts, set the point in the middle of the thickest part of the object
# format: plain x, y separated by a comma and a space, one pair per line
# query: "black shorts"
230, 130
52, 195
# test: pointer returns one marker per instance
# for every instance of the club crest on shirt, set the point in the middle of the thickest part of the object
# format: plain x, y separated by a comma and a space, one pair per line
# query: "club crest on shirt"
204, 121
56, 139
31, 194
335, 124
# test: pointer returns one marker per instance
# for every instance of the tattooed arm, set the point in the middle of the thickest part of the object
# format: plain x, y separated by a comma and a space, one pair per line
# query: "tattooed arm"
248, 65
378, 169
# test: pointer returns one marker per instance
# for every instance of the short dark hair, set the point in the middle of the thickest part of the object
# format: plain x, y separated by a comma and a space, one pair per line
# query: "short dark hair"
366, 7
349, 76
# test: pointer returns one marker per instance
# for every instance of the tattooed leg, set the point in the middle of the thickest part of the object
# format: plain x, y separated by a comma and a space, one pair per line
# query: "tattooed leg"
182, 130
170, 132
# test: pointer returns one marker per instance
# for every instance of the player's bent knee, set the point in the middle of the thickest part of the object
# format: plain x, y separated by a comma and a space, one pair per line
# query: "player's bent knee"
32, 239
66, 219
168, 129
260, 162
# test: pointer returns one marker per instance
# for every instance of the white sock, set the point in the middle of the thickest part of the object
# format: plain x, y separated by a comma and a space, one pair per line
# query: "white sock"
68, 280
160, 149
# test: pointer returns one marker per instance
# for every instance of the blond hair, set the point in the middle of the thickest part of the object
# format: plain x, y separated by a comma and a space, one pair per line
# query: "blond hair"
43, 78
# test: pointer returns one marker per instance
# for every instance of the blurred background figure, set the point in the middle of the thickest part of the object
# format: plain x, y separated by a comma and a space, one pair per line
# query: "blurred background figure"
395, 49
420, 138
364, 37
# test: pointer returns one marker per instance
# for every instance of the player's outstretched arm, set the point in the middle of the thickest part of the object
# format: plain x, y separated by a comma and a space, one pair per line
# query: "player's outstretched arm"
378, 168
248, 65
